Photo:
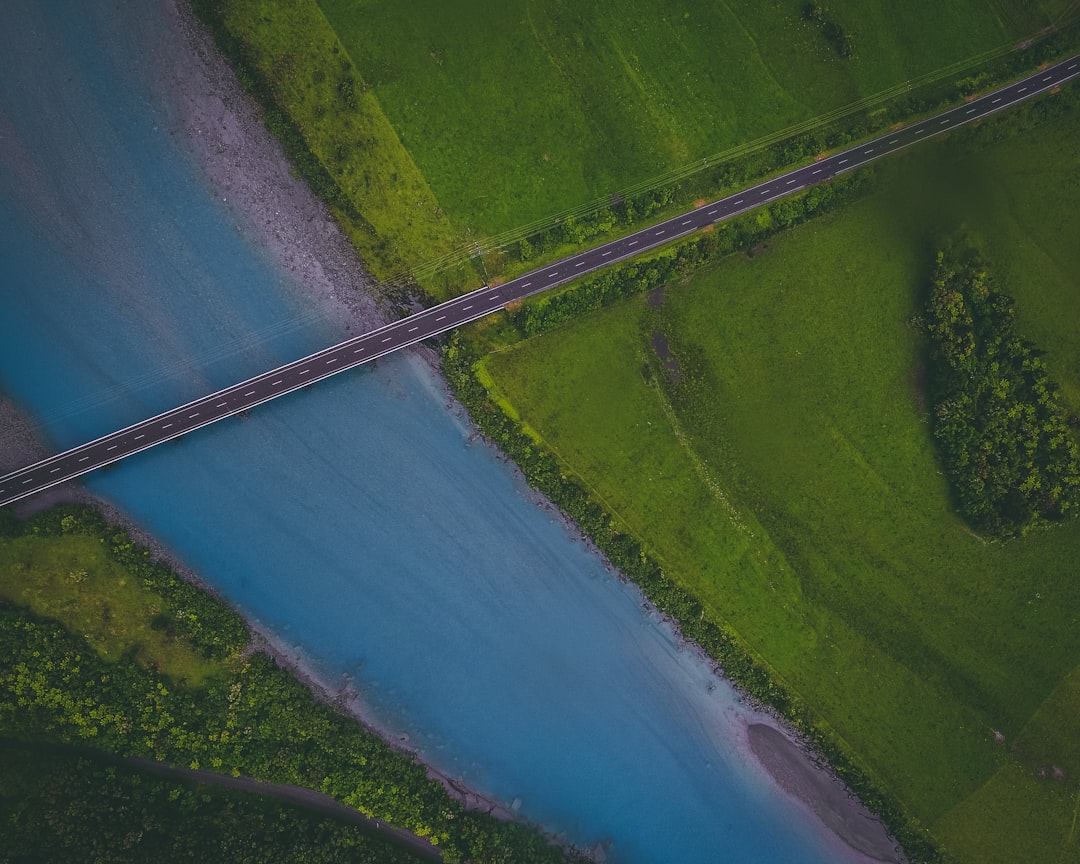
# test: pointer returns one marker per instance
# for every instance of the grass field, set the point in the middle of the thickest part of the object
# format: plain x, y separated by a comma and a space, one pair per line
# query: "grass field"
72, 579
515, 111
445, 124
786, 474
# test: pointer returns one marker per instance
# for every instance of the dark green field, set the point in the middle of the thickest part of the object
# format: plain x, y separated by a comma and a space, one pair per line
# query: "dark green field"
786, 474
515, 111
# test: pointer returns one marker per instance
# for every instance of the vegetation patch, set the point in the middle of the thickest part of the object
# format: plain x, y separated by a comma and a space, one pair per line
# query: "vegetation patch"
63, 804
840, 41
998, 417
72, 578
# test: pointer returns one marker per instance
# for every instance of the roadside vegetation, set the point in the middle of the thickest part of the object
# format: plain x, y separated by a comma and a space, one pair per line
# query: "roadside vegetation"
166, 673
755, 440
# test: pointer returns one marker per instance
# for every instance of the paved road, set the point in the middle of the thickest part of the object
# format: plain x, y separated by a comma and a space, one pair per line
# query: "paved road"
477, 304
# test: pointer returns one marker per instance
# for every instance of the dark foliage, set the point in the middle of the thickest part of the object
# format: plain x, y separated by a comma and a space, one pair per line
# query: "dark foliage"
60, 805
998, 417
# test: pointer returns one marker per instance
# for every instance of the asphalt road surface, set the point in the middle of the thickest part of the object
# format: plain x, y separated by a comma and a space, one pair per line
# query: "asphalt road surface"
469, 307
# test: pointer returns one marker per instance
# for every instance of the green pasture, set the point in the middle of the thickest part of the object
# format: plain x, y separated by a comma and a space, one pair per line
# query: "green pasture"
785, 473
289, 46
517, 110
72, 579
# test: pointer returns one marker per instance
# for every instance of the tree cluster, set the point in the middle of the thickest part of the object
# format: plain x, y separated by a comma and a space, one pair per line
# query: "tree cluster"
61, 805
840, 41
552, 309
998, 417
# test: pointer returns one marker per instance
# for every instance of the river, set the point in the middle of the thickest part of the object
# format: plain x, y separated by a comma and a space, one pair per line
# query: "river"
356, 521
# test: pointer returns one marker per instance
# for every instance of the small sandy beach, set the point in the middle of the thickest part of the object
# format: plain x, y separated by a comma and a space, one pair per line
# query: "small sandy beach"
792, 768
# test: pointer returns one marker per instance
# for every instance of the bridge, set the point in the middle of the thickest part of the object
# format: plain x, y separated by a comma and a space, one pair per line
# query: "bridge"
476, 304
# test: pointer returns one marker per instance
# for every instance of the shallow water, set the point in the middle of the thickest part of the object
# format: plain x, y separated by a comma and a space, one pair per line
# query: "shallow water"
354, 519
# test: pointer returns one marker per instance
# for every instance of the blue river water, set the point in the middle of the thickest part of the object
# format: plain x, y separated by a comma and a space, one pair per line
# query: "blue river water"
354, 520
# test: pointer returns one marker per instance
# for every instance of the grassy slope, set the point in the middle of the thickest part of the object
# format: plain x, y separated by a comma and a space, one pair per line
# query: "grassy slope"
844, 567
515, 111
73, 580
292, 46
